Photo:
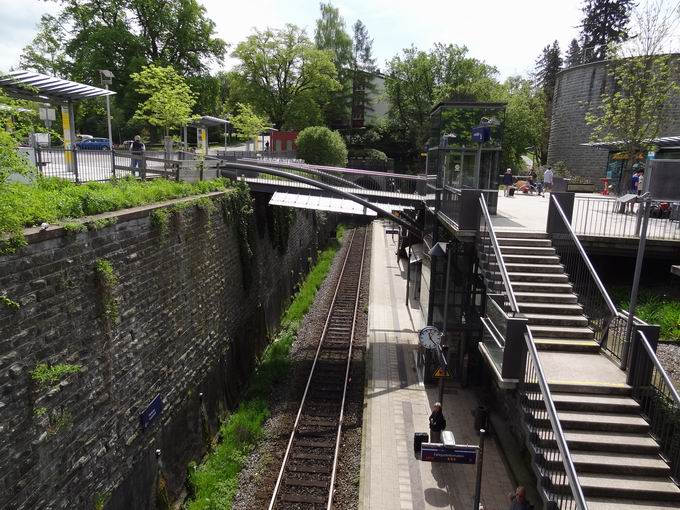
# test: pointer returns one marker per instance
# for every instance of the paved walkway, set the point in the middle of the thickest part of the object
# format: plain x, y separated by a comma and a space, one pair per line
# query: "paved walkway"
397, 405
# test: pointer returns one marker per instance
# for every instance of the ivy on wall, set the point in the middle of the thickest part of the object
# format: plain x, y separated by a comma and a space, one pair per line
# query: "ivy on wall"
107, 280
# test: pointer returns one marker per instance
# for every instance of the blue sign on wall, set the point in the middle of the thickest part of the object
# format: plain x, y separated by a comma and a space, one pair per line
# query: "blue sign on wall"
434, 452
481, 134
153, 411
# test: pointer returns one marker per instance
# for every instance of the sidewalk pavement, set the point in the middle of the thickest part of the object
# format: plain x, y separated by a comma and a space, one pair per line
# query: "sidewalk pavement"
397, 405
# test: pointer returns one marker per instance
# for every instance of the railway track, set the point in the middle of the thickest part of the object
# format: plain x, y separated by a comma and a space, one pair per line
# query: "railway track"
308, 471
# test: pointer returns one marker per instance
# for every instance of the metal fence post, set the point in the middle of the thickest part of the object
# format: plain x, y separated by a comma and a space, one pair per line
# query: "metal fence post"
636, 351
75, 163
113, 163
142, 167
514, 347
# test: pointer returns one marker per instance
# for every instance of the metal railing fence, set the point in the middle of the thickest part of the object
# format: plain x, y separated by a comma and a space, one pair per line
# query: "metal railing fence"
615, 340
606, 217
592, 294
659, 400
491, 261
557, 476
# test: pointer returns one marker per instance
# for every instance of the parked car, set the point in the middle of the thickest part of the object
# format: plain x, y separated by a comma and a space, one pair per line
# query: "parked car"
94, 144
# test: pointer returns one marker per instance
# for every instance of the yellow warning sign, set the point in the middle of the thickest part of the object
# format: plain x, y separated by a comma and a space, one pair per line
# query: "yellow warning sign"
440, 373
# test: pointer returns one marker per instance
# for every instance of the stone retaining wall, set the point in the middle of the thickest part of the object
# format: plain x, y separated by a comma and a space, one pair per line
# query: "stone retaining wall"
184, 321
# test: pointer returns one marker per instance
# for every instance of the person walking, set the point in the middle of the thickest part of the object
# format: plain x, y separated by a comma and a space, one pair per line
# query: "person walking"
507, 181
137, 149
548, 179
437, 423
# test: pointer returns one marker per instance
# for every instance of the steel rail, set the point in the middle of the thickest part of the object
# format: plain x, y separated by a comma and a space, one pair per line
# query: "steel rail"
561, 441
584, 257
310, 170
499, 259
286, 456
344, 389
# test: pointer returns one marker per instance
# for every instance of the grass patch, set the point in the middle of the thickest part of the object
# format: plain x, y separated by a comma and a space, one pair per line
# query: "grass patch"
52, 200
215, 482
655, 309
46, 375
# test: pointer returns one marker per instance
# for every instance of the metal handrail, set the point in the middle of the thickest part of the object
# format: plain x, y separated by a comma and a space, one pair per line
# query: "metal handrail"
499, 259
586, 260
659, 368
561, 441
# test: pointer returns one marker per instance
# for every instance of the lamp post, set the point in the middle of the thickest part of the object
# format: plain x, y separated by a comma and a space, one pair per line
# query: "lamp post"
107, 79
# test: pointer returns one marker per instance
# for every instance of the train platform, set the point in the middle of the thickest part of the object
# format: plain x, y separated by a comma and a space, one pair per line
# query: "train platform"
398, 404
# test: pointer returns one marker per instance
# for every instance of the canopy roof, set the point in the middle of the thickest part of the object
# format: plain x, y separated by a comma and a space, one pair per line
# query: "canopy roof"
41, 87
209, 121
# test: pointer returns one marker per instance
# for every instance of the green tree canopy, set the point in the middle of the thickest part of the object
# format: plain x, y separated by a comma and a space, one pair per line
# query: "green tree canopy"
281, 70
248, 123
318, 145
545, 77
169, 99
417, 80
605, 22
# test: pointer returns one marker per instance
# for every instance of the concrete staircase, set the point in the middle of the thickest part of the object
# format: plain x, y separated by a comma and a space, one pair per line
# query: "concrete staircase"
616, 458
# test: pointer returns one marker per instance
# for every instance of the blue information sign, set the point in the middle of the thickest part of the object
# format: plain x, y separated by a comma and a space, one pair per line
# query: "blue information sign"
153, 411
481, 134
459, 454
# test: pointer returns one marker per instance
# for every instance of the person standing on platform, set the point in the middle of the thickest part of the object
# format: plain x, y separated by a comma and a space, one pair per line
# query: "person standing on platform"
507, 180
137, 149
437, 423
547, 179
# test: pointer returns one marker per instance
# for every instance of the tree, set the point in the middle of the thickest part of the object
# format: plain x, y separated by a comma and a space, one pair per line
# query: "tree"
362, 48
417, 80
169, 99
545, 77
248, 123
318, 145
605, 22
331, 35
574, 55
280, 69
634, 111
45, 54
524, 125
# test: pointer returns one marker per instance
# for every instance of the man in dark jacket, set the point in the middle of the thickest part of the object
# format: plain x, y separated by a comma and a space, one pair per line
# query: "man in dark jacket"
137, 149
437, 423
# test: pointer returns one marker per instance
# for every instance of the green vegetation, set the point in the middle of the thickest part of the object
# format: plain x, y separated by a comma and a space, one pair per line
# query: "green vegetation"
52, 200
318, 145
248, 123
106, 283
46, 375
660, 310
215, 482
9, 303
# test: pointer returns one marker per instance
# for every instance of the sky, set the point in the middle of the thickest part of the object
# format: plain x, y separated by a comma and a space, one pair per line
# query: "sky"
508, 34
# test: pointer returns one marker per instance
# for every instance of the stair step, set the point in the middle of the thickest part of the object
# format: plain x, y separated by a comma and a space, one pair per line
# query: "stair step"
608, 403
528, 250
546, 297
561, 308
566, 344
524, 258
614, 422
524, 241
594, 441
618, 463
579, 333
590, 388
529, 268
524, 234
627, 504
541, 287
538, 277
626, 486
556, 320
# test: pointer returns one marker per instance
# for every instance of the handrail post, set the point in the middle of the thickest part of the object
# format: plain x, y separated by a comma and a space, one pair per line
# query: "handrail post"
513, 354
555, 224
651, 333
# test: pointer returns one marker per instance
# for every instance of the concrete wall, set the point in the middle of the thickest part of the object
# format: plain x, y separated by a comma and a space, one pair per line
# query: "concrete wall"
577, 90
187, 325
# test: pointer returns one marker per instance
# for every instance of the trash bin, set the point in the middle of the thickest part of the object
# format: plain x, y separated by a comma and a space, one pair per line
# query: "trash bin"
481, 418
418, 439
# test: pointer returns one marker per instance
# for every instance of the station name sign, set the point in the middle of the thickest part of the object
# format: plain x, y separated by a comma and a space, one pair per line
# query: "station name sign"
456, 454
152, 411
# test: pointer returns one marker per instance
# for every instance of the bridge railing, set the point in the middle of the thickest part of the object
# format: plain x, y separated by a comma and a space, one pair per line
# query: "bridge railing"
392, 183
606, 217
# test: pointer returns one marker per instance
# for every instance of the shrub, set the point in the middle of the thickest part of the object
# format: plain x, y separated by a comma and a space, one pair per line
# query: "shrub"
318, 145
368, 153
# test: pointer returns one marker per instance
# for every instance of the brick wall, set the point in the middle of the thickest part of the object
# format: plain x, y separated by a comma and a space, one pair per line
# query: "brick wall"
188, 330
577, 90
